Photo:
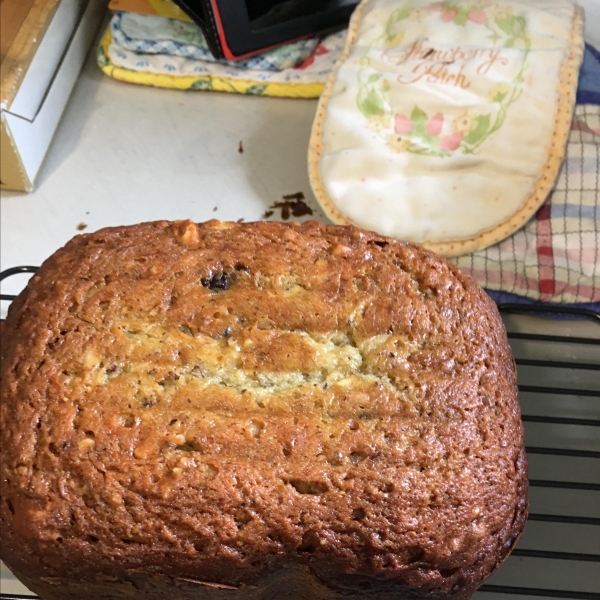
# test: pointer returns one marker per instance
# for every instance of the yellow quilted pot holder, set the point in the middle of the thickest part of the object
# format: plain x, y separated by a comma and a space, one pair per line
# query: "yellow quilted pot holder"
304, 81
445, 123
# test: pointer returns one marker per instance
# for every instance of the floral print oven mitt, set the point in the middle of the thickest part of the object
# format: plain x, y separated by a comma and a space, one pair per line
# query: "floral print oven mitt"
445, 123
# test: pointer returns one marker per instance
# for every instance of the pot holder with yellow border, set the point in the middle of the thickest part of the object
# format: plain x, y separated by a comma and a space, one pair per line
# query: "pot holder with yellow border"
445, 123
174, 71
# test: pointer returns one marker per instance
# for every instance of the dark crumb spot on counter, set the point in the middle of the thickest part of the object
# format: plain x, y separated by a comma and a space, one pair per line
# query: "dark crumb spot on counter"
292, 204
241, 147
81, 226
296, 196
267, 214
215, 209
240, 220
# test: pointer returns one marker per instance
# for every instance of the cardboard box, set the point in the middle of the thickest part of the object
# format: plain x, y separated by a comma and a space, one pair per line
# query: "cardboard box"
47, 43
163, 8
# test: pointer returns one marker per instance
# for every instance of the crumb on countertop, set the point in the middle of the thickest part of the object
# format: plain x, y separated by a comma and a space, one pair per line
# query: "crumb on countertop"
215, 209
241, 148
296, 196
81, 226
293, 204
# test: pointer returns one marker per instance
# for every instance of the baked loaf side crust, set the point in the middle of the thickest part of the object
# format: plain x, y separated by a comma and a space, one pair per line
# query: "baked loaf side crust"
220, 410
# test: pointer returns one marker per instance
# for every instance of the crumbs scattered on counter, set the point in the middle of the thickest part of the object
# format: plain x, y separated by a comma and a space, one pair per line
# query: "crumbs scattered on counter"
241, 148
215, 209
292, 204
81, 226
240, 220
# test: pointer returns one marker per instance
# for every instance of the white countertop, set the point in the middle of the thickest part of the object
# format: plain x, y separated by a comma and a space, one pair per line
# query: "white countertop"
124, 154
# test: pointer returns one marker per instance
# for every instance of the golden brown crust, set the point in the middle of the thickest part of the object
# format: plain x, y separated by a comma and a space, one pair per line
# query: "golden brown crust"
569, 71
232, 403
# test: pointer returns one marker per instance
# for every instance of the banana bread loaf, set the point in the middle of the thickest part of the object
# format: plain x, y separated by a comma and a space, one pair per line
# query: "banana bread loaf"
256, 411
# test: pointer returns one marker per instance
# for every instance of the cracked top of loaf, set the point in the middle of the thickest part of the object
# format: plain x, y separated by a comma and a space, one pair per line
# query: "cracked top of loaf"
216, 402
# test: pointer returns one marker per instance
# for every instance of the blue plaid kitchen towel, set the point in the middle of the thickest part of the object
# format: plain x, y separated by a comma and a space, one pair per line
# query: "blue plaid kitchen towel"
556, 256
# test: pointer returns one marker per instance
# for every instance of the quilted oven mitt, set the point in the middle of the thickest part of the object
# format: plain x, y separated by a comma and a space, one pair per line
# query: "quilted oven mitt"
445, 123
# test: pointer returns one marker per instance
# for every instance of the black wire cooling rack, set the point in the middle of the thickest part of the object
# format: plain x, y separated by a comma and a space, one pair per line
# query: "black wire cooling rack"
558, 367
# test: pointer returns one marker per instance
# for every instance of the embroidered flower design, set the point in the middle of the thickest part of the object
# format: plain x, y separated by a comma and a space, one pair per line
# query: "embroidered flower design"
451, 142
448, 15
465, 122
394, 39
435, 124
499, 92
377, 122
398, 143
419, 13
418, 131
500, 11
402, 124
476, 11
477, 16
